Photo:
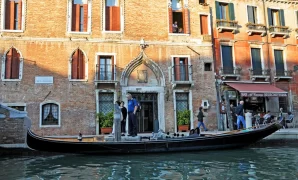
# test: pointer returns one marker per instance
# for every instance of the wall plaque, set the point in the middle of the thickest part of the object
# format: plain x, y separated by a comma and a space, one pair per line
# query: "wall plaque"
142, 76
44, 79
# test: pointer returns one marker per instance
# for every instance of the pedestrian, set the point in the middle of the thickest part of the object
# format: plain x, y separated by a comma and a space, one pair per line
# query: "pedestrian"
132, 107
239, 114
175, 27
200, 119
113, 131
123, 120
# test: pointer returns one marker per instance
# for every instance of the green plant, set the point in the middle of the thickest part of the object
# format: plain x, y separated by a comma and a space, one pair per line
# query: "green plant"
105, 120
183, 117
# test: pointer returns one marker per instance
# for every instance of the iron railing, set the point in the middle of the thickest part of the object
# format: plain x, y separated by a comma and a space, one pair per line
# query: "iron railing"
279, 29
105, 72
256, 27
259, 72
283, 73
230, 70
226, 23
182, 72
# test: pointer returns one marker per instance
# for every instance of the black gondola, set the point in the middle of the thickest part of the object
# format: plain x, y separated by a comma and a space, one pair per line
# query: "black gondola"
189, 143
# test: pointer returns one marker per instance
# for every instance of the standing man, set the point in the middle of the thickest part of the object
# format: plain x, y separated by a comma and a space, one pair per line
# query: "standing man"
239, 114
132, 119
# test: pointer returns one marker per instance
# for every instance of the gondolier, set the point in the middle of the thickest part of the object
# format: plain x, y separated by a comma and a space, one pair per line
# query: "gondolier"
132, 107
239, 114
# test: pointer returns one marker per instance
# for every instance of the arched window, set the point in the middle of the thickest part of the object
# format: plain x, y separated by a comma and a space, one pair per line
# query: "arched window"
78, 65
12, 64
50, 114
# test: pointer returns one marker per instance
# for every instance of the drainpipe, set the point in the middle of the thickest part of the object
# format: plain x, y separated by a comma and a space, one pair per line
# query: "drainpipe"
267, 40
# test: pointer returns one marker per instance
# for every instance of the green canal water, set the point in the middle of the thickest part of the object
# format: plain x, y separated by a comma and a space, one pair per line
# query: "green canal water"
250, 163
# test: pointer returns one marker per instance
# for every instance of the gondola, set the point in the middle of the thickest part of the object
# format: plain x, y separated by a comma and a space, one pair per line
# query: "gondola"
179, 144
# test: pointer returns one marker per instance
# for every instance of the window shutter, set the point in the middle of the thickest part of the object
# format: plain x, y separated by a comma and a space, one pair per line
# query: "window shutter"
74, 65
77, 17
115, 18
85, 6
170, 20
250, 14
73, 18
15, 64
217, 10
8, 64
20, 14
108, 18
113, 68
282, 17
7, 14
11, 23
98, 68
231, 12
186, 69
177, 68
185, 21
204, 24
81, 65
269, 17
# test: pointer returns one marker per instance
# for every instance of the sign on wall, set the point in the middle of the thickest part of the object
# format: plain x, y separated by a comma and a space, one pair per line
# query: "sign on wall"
44, 79
263, 94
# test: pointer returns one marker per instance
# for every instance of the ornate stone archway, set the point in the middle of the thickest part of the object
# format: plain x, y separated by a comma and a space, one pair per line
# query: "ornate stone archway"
139, 60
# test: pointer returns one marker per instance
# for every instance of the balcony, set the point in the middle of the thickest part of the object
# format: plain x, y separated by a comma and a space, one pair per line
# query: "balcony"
226, 25
182, 75
256, 29
233, 72
283, 74
279, 31
105, 75
259, 74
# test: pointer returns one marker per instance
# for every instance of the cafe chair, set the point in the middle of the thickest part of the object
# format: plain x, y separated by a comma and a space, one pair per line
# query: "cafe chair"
290, 120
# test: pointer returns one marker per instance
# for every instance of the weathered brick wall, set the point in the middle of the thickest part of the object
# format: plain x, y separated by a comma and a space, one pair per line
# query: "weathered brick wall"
11, 130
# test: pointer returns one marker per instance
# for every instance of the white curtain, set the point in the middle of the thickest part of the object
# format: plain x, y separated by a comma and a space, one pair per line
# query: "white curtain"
46, 110
55, 111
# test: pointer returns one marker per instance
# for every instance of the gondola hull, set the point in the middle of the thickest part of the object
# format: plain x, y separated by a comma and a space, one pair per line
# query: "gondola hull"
195, 143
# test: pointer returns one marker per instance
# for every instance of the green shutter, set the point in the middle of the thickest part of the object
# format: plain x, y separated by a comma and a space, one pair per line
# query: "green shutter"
250, 14
270, 22
281, 17
217, 10
231, 11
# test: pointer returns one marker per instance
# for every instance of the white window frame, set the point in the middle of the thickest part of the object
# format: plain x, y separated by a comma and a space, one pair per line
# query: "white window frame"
97, 60
40, 114
70, 67
189, 64
209, 22
258, 14
69, 18
24, 7
233, 52
190, 107
16, 104
262, 55
20, 68
104, 18
184, 5
97, 91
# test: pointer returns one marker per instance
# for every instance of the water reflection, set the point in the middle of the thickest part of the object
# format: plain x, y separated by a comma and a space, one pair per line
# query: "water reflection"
258, 163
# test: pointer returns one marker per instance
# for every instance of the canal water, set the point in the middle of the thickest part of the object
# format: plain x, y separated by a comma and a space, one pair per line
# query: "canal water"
251, 163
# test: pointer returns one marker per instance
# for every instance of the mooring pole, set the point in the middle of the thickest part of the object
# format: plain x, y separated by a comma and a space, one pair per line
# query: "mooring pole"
228, 108
117, 119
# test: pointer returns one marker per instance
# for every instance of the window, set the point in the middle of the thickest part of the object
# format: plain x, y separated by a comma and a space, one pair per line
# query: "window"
105, 102
208, 67
182, 101
13, 17
79, 16
204, 24
283, 103
252, 14
202, 1
256, 61
16, 106
227, 59
279, 62
178, 18
225, 11
105, 68
112, 18
78, 65
12, 65
181, 69
276, 17
50, 114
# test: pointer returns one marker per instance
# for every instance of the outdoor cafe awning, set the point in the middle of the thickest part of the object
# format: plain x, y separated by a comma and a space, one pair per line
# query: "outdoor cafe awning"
257, 90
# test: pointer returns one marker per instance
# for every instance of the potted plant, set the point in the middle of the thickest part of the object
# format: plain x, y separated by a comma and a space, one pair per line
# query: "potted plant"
105, 122
183, 120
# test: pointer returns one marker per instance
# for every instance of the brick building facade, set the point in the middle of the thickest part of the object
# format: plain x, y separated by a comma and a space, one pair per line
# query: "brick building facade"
64, 61
255, 45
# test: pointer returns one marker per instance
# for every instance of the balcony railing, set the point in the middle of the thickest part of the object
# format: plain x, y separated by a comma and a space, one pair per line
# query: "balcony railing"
259, 73
256, 28
279, 30
182, 74
283, 74
105, 73
230, 72
223, 24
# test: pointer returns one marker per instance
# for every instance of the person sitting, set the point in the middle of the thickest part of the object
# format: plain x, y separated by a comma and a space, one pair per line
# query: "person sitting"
267, 117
